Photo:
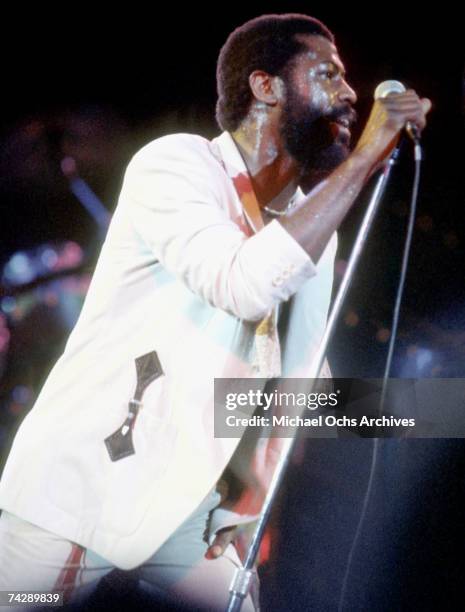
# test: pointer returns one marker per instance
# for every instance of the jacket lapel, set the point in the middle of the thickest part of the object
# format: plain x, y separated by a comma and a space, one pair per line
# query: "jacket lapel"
267, 349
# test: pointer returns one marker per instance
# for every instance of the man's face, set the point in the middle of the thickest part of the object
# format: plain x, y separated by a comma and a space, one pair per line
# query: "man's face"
318, 103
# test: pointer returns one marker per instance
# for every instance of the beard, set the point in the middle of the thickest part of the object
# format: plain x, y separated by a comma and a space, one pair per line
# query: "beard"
310, 138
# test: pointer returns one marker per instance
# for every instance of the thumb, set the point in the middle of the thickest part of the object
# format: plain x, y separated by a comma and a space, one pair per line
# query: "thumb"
427, 105
221, 542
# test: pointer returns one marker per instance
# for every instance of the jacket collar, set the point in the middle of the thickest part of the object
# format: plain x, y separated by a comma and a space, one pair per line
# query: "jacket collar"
236, 169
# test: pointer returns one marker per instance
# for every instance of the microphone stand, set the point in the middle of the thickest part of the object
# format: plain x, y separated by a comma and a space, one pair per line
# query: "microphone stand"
86, 196
242, 578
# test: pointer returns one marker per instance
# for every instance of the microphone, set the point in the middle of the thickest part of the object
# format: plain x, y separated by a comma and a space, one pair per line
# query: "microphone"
387, 88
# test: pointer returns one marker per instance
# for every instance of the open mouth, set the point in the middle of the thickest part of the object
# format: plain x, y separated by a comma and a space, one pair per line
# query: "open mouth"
344, 122
341, 126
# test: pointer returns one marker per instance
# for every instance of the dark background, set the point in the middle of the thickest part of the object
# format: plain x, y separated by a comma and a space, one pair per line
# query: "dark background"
98, 88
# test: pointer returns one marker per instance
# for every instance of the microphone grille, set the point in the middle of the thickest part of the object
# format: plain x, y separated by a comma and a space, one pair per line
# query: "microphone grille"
388, 87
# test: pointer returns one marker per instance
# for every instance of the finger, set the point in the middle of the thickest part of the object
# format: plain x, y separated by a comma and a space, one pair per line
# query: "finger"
214, 551
223, 539
407, 105
402, 105
404, 113
410, 94
221, 542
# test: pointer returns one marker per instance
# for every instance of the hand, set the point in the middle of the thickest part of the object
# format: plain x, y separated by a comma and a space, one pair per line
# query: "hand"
387, 119
223, 538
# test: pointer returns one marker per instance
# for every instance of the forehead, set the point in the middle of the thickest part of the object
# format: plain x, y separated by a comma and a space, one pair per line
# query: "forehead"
319, 50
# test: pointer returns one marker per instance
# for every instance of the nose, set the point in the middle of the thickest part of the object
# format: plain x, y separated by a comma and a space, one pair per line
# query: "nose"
347, 94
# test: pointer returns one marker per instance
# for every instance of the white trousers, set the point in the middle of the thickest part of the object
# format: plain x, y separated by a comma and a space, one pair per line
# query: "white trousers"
32, 559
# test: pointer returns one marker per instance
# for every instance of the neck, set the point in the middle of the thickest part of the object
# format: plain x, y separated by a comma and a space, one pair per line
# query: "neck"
274, 174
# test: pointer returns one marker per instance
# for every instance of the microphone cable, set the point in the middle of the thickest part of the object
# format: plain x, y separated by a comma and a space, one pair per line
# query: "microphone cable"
395, 322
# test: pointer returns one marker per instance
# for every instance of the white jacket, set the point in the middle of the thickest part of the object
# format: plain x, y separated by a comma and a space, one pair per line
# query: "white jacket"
185, 274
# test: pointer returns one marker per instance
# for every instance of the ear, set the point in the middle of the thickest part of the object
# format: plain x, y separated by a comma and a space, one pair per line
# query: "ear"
266, 88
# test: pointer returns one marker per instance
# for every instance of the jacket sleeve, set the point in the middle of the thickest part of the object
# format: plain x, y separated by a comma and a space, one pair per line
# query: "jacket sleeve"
177, 205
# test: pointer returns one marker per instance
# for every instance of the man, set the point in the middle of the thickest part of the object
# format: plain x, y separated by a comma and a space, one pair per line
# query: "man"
116, 465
